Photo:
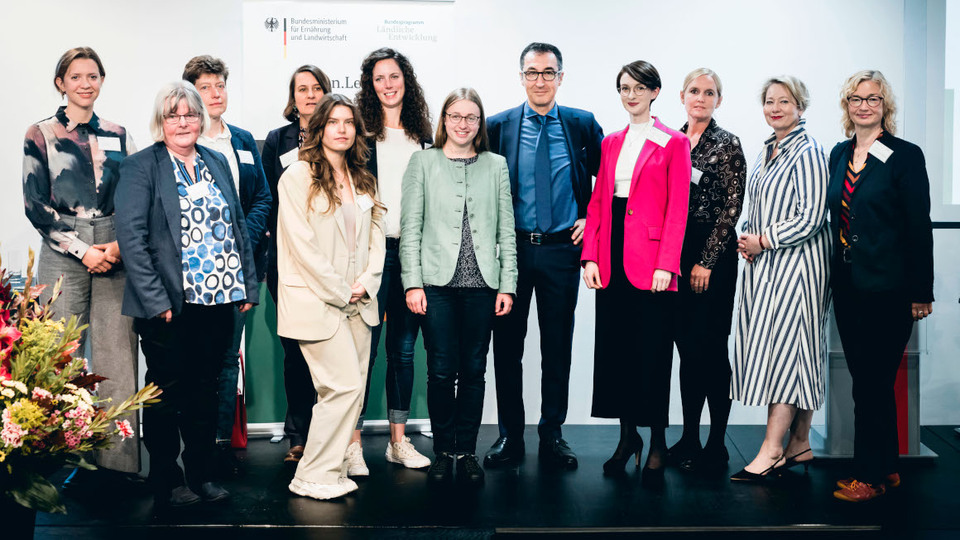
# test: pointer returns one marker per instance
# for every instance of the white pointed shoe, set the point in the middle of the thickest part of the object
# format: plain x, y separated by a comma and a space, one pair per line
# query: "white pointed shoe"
356, 466
404, 453
323, 492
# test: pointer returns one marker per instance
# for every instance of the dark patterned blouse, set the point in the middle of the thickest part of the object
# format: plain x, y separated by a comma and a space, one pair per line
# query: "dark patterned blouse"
717, 198
71, 169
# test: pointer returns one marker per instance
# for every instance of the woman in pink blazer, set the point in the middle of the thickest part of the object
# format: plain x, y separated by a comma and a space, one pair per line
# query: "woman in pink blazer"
631, 254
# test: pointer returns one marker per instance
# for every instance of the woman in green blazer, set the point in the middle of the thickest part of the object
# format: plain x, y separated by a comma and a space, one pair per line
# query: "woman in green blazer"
459, 270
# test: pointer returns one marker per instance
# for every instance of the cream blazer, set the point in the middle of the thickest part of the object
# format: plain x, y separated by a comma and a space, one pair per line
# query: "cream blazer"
313, 260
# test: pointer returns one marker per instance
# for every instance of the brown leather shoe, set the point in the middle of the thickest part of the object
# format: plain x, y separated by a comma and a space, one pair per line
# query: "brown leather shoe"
294, 455
858, 491
892, 481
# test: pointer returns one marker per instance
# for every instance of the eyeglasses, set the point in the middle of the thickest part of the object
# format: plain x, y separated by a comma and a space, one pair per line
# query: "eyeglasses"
625, 91
455, 119
191, 118
549, 75
873, 101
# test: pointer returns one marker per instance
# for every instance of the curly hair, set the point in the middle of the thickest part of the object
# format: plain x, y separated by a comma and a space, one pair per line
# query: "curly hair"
414, 113
356, 157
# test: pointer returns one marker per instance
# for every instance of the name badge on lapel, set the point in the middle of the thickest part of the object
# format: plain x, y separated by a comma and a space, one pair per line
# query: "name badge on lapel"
364, 203
287, 159
880, 151
246, 157
659, 136
108, 144
695, 176
198, 191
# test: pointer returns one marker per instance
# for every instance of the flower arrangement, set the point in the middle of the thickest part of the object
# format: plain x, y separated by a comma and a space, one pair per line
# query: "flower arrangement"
49, 413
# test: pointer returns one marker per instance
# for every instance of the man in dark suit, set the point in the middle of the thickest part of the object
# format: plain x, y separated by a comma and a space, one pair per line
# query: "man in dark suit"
552, 153
209, 76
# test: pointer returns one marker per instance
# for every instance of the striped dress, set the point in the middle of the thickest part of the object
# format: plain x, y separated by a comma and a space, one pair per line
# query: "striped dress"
781, 329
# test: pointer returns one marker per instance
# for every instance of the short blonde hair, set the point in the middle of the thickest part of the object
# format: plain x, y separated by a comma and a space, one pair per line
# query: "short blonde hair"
169, 98
704, 71
888, 122
796, 88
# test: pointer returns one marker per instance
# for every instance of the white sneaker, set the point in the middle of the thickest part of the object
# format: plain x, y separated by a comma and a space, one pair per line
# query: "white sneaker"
356, 466
405, 454
322, 491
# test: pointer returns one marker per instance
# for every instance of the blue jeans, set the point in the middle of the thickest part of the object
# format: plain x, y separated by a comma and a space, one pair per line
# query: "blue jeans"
402, 327
227, 386
457, 330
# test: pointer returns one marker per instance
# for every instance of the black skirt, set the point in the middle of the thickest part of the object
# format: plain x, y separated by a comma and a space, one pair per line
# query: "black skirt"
634, 343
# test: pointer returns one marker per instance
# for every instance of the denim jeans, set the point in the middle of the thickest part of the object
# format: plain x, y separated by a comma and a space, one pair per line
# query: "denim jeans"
227, 386
457, 330
402, 327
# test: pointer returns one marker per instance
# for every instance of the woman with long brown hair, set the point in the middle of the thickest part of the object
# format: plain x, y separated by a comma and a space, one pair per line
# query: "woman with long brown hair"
330, 249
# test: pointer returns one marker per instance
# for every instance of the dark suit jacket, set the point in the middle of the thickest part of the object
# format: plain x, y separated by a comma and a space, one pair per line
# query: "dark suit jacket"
584, 136
278, 142
255, 195
890, 225
148, 230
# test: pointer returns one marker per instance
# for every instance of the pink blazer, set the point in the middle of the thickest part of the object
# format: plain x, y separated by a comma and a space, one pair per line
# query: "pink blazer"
656, 208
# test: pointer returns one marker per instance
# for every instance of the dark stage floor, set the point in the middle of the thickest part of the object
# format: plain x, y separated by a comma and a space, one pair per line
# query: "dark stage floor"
532, 501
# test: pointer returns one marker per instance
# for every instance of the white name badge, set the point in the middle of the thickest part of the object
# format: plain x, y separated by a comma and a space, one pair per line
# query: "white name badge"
109, 144
695, 175
289, 158
880, 151
245, 156
198, 190
364, 203
658, 136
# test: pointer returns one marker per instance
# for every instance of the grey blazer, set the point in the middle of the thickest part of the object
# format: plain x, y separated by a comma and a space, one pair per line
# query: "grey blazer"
148, 230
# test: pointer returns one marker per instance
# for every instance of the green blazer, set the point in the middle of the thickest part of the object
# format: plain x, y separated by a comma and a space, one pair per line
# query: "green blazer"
431, 214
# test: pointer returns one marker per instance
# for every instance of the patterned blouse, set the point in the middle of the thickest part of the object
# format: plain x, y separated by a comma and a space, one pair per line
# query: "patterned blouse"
467, 273
71, 169
717, 198
212, 273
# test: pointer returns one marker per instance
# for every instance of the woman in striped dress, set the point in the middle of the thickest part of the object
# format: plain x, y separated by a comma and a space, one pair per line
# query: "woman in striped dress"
780, 344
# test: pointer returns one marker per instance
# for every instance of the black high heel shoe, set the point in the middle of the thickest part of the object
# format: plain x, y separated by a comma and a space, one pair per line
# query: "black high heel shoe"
746, 476
632, 447
792, 461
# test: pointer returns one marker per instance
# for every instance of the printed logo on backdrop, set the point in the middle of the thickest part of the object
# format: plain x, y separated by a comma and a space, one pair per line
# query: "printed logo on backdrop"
271, 24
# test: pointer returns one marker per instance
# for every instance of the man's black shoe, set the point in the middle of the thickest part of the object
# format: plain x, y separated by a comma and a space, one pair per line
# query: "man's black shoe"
178, 497
505, 452
441, 471
555, 452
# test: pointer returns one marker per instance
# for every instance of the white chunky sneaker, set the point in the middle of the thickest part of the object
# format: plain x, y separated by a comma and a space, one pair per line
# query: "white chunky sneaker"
405, 454
322, 491
356, 466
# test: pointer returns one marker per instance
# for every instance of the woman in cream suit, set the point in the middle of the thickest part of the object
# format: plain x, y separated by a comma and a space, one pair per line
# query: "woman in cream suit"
330, 248
631, 254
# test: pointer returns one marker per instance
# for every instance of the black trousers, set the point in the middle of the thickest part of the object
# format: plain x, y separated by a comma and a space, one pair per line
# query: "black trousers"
297, 383
874, 329
183, 359
633, 354
553, 271
457, 330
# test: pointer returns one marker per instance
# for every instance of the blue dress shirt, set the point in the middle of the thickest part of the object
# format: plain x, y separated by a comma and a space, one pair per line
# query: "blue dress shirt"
525, 205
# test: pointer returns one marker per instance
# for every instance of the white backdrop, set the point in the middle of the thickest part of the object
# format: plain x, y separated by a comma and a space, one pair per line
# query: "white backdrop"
144, 45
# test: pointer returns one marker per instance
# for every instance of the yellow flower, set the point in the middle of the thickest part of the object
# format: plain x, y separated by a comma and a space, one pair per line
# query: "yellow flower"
26, 414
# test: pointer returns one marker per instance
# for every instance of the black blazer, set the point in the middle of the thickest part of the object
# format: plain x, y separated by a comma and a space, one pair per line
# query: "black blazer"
584, 136
148, 230
255, 197
278, 142
890, 229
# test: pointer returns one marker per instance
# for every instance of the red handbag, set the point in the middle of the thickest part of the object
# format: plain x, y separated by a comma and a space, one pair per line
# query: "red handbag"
238, 439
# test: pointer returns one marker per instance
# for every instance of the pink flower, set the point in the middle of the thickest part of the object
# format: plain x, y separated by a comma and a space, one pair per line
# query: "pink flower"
12, 433
125, 429
40, 393
8, 336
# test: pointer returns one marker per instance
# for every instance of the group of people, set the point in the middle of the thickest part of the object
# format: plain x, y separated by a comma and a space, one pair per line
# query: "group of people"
359, 211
